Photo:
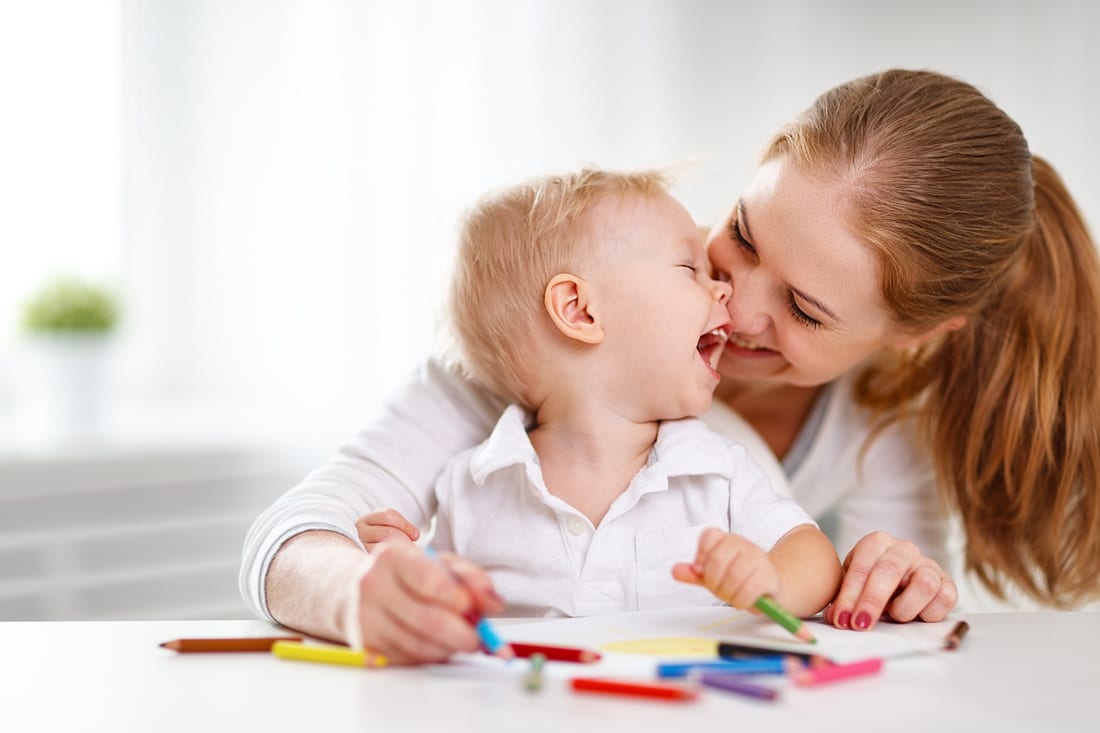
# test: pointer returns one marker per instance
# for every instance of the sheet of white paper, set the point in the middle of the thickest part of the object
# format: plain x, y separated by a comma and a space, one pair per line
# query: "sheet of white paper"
727, 624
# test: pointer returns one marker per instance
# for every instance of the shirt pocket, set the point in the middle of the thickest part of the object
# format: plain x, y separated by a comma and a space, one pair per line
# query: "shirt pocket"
655, 552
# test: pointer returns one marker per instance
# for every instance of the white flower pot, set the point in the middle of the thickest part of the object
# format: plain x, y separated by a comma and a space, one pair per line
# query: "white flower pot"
60, 384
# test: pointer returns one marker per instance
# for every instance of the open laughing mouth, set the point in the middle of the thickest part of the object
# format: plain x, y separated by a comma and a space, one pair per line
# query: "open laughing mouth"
711, 344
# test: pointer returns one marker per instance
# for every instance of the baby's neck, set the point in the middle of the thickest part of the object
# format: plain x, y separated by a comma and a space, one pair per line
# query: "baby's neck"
589, 453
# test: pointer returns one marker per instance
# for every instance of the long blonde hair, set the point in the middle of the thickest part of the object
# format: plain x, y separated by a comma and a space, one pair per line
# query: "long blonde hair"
967, 222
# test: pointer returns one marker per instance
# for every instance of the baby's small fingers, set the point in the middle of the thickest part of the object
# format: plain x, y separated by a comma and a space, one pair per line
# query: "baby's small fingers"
371, 535
686, 573
392, 518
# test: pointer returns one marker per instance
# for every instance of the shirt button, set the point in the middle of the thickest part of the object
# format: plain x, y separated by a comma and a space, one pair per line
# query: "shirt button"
575, 525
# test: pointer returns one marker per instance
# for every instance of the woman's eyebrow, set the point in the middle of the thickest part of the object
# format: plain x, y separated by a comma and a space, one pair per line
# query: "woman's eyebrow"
743, 220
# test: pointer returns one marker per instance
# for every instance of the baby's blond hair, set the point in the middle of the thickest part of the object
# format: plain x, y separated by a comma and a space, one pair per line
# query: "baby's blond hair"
511, 244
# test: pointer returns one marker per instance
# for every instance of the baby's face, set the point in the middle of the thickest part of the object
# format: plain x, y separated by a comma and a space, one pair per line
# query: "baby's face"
664, 318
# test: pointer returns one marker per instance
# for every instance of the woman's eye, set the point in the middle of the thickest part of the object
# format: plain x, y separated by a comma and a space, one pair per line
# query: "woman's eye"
736, 236
689, 268
800, 315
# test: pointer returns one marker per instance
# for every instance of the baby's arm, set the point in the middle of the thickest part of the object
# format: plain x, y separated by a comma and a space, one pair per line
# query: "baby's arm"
801, 571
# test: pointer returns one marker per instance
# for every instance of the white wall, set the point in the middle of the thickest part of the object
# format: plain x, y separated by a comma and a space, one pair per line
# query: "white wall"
296, 168
293, 170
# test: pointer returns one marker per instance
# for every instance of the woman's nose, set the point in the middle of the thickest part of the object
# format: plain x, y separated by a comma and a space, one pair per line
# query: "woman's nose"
748, 311
721, 291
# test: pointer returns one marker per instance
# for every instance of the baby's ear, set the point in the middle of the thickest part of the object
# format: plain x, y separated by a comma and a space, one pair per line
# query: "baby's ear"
569, 304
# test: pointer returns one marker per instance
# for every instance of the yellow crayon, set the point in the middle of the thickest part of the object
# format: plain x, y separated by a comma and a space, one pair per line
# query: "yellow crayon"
327, 654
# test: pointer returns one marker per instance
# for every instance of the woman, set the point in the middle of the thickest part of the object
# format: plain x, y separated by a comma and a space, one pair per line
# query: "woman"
915, 299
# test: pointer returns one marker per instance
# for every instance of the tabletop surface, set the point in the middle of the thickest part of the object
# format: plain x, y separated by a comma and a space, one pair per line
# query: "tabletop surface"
1013, 672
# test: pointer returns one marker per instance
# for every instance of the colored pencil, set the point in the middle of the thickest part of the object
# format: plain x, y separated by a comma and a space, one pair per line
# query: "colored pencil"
491, 641
327, 654
636, 689
733, 651
767, 606
954, 639
764, 665
736, 684
810, 676
532, 681
557, 653
244, 644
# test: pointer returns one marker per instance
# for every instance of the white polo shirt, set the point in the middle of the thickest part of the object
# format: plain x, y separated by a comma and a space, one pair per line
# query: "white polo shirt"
546, 558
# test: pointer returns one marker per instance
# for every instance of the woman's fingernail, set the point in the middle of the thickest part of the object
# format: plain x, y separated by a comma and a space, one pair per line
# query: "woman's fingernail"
863, 620
844, 619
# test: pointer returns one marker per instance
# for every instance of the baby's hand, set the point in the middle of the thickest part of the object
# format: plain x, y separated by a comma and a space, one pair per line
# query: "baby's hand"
731, 567
385, 525
412, 609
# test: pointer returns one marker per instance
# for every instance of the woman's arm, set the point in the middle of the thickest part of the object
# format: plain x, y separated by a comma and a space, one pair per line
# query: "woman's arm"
891, 525
392, 463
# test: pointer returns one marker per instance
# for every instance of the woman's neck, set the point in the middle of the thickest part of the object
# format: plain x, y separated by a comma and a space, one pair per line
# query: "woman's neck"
776, 411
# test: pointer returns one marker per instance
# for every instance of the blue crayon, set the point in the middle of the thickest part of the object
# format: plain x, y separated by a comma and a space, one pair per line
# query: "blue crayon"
759, 665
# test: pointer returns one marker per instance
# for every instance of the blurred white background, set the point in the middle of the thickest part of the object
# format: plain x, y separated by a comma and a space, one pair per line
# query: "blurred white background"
273, 188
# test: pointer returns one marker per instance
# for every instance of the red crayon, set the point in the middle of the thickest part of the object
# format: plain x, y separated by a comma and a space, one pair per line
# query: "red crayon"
557, 653
636, 689
810, 676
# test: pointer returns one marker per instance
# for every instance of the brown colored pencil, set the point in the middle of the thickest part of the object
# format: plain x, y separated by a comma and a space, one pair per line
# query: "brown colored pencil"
956, 636
245, 644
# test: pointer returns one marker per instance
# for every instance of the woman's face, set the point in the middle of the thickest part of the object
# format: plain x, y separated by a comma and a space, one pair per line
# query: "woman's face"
806, 304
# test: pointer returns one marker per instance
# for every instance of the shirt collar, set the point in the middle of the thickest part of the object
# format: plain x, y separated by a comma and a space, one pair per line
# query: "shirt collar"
684, 447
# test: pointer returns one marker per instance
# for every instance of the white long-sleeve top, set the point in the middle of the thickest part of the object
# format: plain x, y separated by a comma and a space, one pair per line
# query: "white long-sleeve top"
395, 460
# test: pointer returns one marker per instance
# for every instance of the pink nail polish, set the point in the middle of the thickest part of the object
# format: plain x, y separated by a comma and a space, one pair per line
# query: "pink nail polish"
844, 619
863, 620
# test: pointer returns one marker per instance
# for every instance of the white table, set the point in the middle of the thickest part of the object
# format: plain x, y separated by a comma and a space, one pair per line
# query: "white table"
1014, 672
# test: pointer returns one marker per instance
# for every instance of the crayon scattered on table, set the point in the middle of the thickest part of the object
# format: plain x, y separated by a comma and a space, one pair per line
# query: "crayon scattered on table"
734, 651
239, 644
327, 654
556, 653
737, 684
954, 639
767, 606
811, 676
762, 665
636, 689
532, 681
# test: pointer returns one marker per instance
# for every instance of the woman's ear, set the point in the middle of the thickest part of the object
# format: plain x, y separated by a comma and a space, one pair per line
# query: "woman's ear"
568, 302
914, 341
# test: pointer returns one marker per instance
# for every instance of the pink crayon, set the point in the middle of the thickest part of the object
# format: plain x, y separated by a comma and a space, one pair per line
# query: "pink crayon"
810, 676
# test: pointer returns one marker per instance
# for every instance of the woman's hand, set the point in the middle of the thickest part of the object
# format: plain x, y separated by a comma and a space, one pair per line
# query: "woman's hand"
410, 609
384, 525
730, 567
885, 575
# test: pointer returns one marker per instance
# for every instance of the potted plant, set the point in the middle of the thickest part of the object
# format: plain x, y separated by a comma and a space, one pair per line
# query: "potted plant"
61, 372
